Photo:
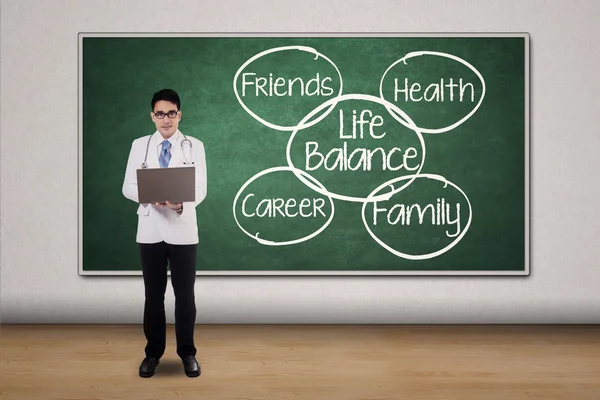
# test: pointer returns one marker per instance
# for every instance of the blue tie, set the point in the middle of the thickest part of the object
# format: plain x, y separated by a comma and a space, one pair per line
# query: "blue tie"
165, 154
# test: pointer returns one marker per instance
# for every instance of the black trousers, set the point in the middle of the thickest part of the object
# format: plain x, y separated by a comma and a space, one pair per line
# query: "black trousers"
182, 262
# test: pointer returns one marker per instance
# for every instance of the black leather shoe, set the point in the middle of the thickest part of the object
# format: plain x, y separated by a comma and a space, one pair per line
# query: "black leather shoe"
191, 366
148, 367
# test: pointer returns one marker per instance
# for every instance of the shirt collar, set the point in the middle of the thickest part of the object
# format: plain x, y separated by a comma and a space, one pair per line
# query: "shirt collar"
173, 139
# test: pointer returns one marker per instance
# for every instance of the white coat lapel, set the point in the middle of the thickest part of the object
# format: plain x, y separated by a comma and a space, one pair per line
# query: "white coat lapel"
176, 152
153, 150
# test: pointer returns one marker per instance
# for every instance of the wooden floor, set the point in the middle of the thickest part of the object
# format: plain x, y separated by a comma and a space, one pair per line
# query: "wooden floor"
76, 362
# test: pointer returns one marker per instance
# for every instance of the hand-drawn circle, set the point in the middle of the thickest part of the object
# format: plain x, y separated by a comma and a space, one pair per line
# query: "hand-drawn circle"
270, 242
273, 50
335, 101
435, 53
421, 256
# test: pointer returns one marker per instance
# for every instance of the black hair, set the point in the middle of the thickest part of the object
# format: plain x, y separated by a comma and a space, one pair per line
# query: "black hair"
167, 95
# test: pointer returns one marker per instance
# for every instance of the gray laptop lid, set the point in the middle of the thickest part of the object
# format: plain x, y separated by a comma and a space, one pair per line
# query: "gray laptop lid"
157, 185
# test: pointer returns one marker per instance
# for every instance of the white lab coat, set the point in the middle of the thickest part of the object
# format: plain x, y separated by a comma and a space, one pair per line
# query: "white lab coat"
160, 223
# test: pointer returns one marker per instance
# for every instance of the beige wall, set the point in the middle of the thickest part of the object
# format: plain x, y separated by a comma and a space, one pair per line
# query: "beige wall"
39, 280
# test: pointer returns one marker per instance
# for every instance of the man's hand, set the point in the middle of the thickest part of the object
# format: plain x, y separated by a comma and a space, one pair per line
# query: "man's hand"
172, 206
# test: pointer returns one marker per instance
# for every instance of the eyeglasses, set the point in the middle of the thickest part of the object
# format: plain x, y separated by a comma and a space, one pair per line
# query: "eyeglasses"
161, 115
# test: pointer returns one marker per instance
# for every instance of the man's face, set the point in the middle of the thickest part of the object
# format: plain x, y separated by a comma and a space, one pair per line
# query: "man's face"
165, 123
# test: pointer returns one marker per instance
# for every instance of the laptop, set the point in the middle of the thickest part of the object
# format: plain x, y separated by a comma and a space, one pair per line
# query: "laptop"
157, 185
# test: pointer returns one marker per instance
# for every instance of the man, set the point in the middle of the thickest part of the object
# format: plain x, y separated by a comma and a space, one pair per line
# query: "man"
167, 233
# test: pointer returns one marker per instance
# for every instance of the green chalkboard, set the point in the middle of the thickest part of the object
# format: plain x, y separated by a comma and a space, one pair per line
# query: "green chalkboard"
326, 154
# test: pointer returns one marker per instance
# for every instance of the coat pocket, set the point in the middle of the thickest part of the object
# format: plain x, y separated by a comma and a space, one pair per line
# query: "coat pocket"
143, 210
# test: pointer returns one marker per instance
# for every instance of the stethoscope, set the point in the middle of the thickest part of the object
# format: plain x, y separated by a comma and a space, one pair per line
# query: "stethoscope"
185, 156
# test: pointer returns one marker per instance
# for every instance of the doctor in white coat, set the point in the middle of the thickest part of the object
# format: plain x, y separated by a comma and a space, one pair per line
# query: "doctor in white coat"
167, 234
